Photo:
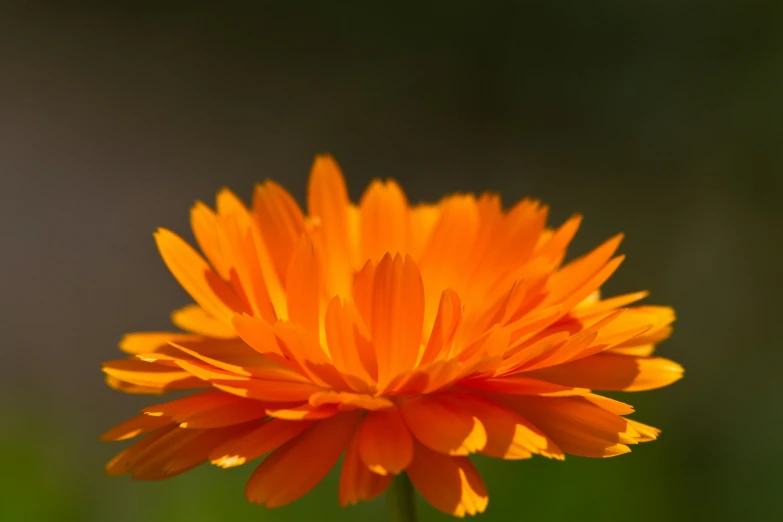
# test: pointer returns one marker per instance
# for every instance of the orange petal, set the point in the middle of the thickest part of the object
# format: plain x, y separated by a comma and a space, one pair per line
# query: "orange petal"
234, 356
383, 215
280, 221
606, 371
422, 219
385, 444
488, 248
197, 450
450, 484
149, 342
509, 242
660, 317
565, 283
524, 222
351, 358
439, 423
451, 241
193, 318
618, 328
577, 425
522, 385
643, 350
197, 278
362, 292
135, 426
605, 305
261, 440
304, 412
357, 482
151, 463
446, 321
259, 389
204, 223
121, 463
492, 344
210, 409
302, 287
239, 241
397, 316
646, 433
302, 346
530, 350
348, 401
582, 343
127, 387
327, 203
151, 375
295, 468
509, 435
595, 282
611, 405
181, 450
260, 336
554, 246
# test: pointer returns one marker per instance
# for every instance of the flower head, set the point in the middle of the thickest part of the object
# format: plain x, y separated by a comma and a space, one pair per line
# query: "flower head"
406, 337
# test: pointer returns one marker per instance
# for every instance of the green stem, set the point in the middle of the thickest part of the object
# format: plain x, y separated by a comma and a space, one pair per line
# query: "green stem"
401, 500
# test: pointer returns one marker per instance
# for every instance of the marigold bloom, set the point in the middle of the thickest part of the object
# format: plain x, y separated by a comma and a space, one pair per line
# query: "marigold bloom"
406, 337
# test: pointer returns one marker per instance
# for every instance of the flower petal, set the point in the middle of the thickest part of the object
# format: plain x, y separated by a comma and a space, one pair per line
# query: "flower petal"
384, 442
450, 243
383, 218
295, 468
397, 316
122, 462
210, 409
302, 346
447, 319
509, 435
439, 423
126, 387
193, 318
327, 203
151, 375
422, 219
149, 342
352, 358
270, 390
569, 279
349, 401
577, 425
197, 450
607, 371
197, 277
522, 385
280, 221
450, 484
261, 440
239, 242
605, 305
301, 287
135, 426
357, 482
304, 412
204, 223
234, 356
150, 464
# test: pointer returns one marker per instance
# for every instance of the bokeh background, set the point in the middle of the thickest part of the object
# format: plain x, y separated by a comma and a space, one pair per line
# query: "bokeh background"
663, 120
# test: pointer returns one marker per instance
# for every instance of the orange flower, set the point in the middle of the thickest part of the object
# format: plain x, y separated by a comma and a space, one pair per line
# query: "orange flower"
406, 337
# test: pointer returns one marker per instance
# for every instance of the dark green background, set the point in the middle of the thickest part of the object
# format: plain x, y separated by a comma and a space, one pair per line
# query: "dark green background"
663, 120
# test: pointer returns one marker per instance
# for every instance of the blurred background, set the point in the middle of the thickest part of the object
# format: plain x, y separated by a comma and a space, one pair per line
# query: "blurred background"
662, 120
